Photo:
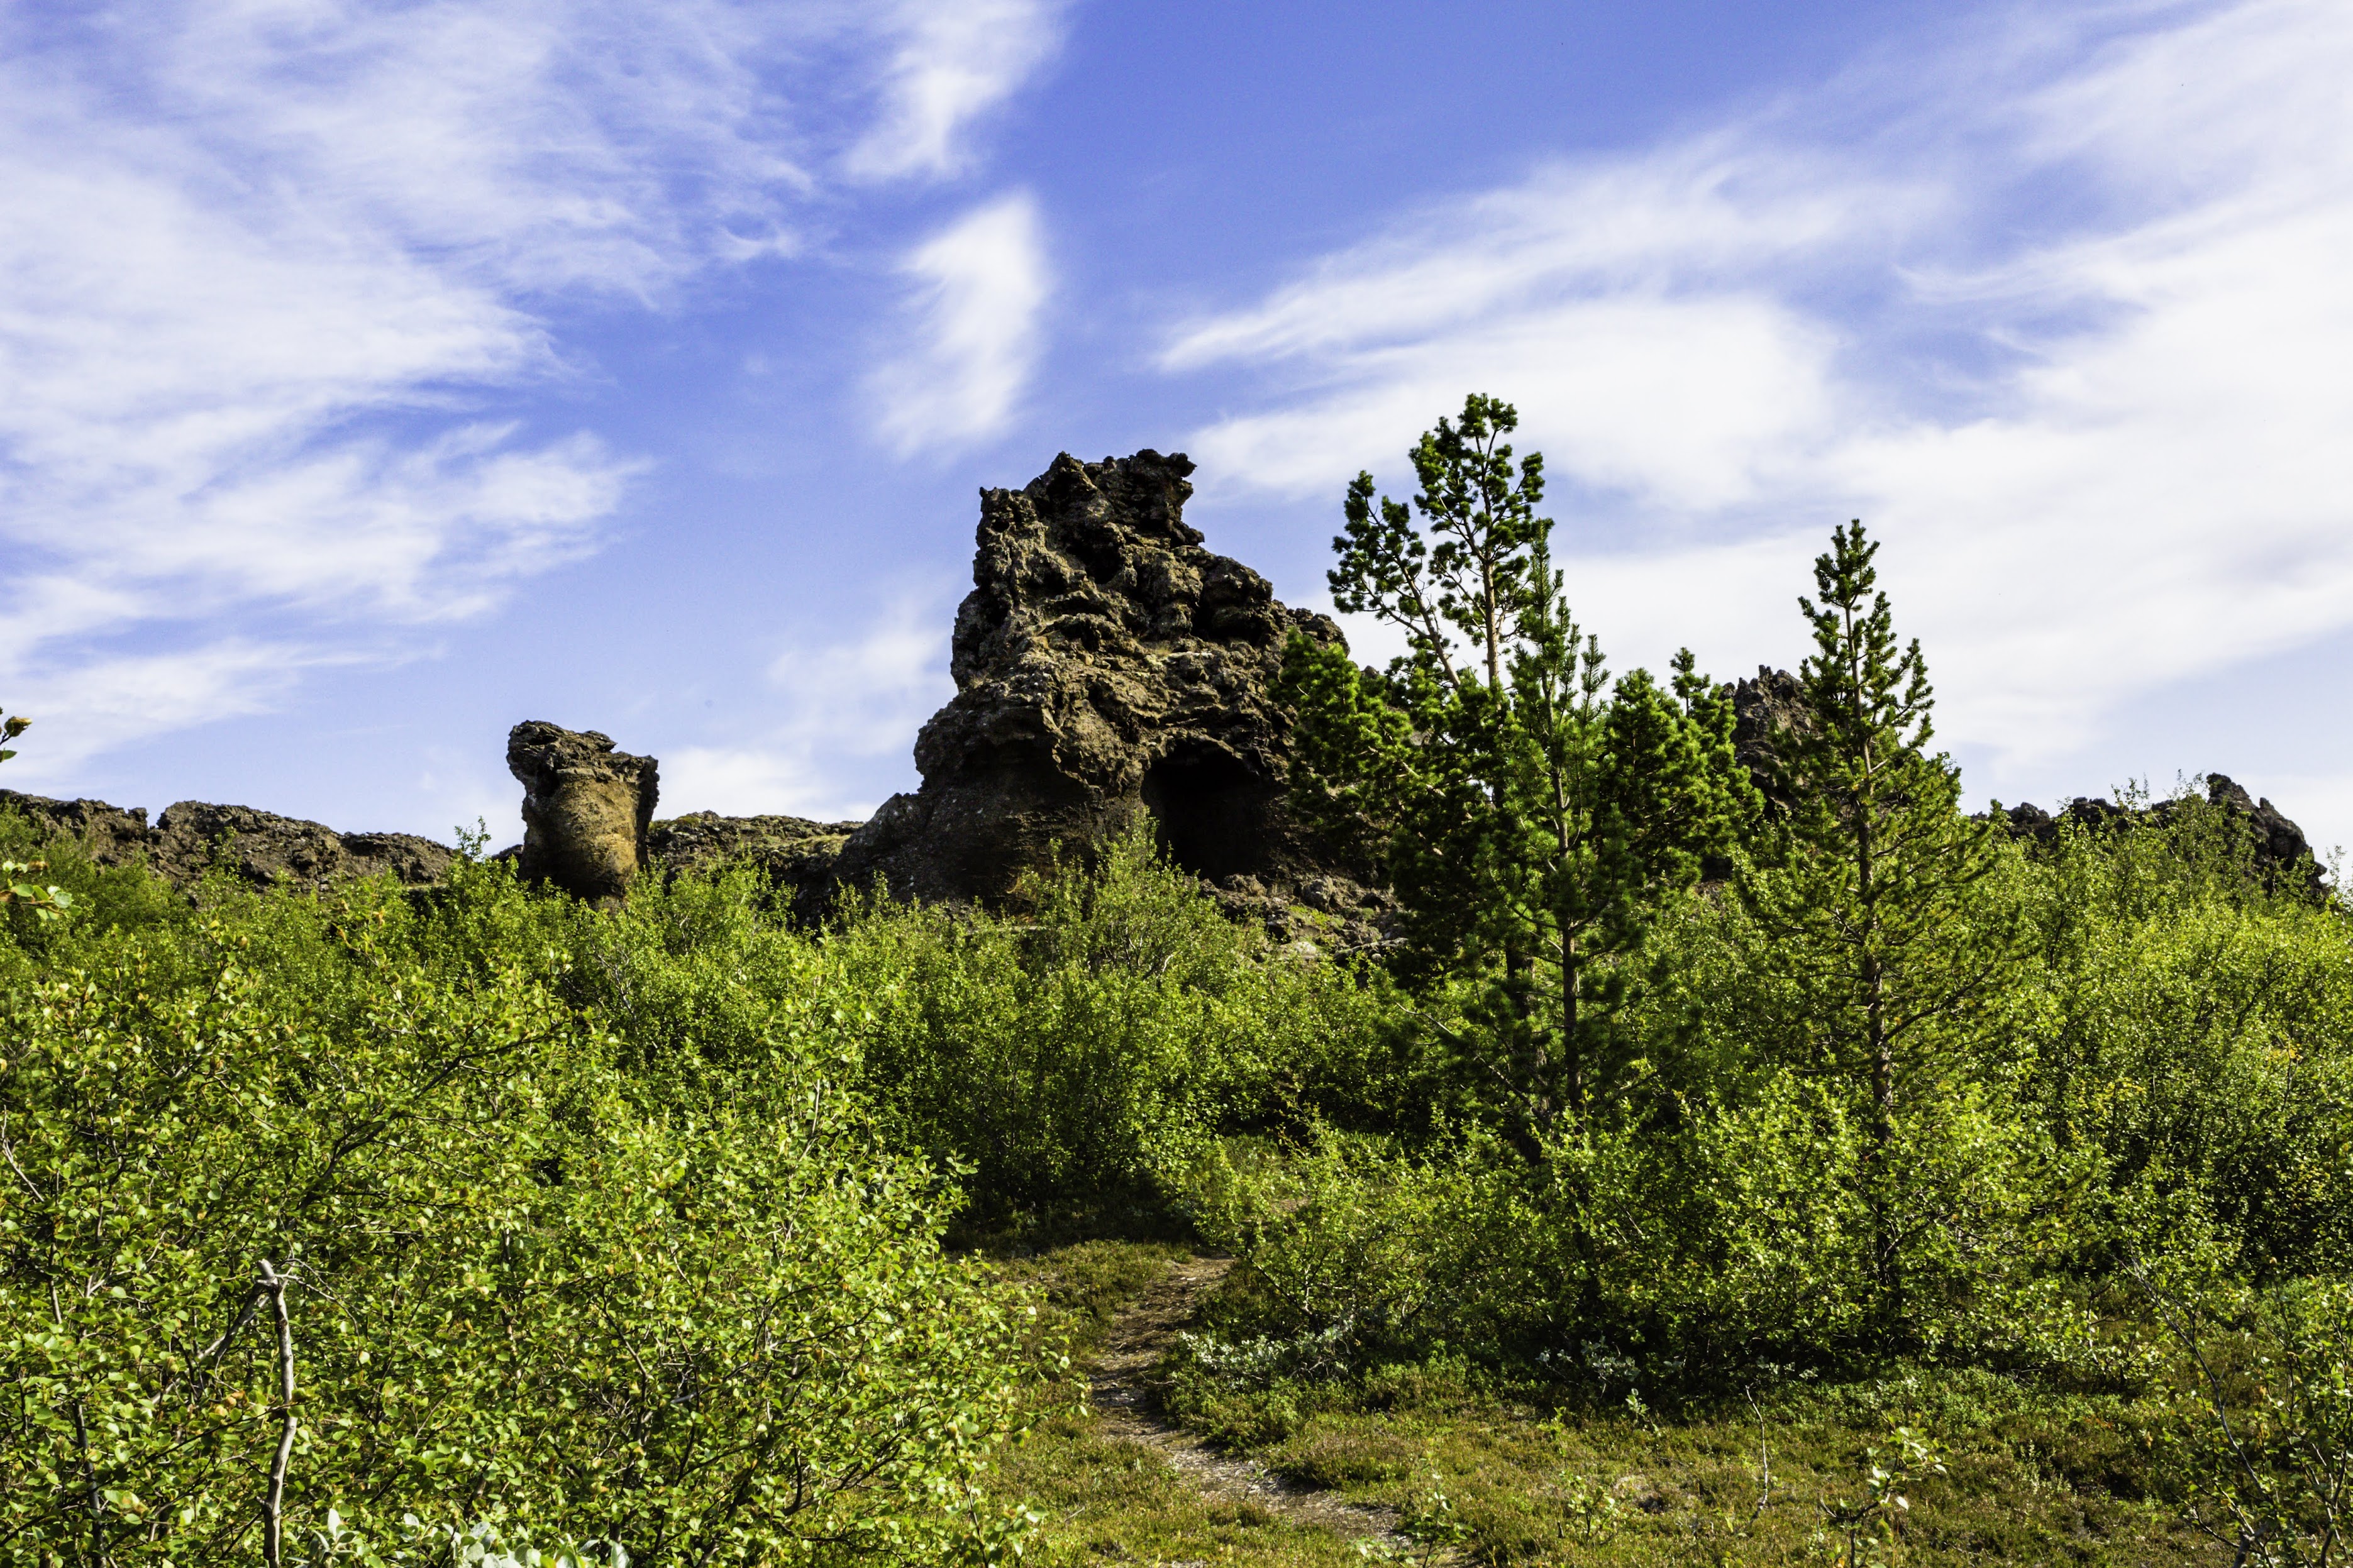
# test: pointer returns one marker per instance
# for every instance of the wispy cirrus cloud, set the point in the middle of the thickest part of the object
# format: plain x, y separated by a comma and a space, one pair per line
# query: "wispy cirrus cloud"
952, 61
2055, 307
1715, 207
978, 289
118, 696
270, 268
257, 261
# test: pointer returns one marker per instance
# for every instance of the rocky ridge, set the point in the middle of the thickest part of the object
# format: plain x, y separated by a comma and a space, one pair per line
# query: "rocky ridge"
794, 853
1768, 708
193, 837
1110, 673
2278, 845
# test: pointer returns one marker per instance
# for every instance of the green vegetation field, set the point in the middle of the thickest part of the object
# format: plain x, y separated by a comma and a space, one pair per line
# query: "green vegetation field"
633, 1225
1703, 1174
1489, 1469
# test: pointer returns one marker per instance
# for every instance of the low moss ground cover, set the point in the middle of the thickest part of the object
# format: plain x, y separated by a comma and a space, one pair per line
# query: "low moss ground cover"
1481, 1470
1101, 1499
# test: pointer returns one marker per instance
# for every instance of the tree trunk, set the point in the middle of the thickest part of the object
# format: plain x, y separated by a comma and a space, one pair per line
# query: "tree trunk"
1879, 1053
1572, 1049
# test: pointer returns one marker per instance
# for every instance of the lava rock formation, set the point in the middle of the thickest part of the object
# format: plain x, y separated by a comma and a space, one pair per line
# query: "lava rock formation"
2277, 846
1768, 709
1109, 670
1763, 712
793, 853
585, 809
193, 837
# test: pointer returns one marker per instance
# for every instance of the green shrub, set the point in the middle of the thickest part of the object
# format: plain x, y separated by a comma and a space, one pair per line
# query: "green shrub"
2196, 1027
707, 1320
1737, 1229
2258, 1438
1355, 1250
1095, 1040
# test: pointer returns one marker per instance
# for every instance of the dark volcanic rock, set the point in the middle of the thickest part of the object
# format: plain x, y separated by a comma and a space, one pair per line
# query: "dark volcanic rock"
585, 809
793, 852
193, 837
2279, 846
262, 848
1764, 712
2026, 820
1108, 669
109, 835
700, 838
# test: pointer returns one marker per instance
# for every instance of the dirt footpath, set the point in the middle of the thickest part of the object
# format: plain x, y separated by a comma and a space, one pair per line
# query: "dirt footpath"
1138, 1336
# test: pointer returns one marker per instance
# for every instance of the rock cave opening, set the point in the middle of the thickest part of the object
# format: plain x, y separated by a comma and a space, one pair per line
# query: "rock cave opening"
1208, 810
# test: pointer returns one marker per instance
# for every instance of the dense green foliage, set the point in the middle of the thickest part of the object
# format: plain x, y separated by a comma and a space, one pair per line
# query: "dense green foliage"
1892, 1085
551, 1261
655, 1228
1895, 1083
1100, 1037
622, 1224
1531, 826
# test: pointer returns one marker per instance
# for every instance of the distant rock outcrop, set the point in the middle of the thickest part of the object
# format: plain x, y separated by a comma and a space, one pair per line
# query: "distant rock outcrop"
585, 809
1768, 709
193, 837
1764, 712
1109, 670
2279, 843
2278, 846
793, 852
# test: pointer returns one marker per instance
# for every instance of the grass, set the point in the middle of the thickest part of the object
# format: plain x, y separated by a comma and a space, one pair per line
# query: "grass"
1105, 1500
1516, 1482
1487, 1472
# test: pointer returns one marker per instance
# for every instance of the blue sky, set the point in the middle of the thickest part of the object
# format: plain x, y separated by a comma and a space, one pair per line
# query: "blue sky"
374, 375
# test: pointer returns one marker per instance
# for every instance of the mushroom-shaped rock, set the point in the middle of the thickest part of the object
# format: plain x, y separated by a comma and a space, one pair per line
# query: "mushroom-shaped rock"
585, 808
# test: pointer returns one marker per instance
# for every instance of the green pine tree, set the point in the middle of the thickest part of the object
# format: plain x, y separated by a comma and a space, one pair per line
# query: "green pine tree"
1872, 886
1532, 815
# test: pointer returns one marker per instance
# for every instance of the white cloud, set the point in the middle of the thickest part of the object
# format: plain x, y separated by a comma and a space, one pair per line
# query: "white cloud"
848, 702
2065, 321
1687, 400
102, 702
866, 697
259, 260
979, 287
1702, 209
1628, 308
952, 61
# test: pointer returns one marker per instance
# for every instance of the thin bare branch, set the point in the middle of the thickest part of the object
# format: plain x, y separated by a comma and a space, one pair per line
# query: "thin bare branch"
273, 1508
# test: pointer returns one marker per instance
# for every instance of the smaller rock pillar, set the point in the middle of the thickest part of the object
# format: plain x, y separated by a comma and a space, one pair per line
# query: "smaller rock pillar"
585, 807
